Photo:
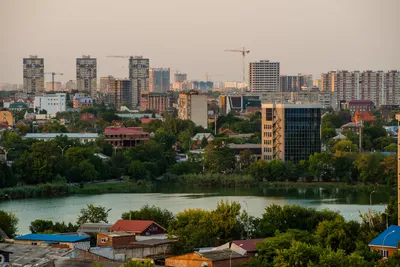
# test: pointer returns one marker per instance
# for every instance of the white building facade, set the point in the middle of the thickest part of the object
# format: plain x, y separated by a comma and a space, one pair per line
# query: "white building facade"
264, 76
52, 103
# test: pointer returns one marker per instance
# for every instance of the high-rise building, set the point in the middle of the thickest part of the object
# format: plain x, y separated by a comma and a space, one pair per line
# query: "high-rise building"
86, 75
33, 74
192, 105
294, 83
377, 86
290, 132
264, 76
70, 85
120, 92
180, 77
139, 76
57, 86
159, 80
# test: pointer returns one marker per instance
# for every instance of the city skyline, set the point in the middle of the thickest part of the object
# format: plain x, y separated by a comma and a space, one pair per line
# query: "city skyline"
357, 35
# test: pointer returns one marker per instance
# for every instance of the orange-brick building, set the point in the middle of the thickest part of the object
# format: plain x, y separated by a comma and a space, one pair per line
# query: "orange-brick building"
139, 227
125, 137
363, 116
117, 239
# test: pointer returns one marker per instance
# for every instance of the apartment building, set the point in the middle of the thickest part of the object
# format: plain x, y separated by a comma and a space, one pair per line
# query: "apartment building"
159, 80
120, 92
192, 105
139, 76
159, 102
33, 75
379, 87
290, 132
86, 75
294, 83
264, 76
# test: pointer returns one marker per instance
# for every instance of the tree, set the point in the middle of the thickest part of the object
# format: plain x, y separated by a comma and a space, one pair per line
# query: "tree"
392, 261
245, 158
320, 166
277, 169
390, 148
298, 255
369, 168
88, 171
344, 146
93, 214
152, 213
46, 226
8, 223
382, 142
204, 142
260, 170
225, 218
219, 157
7, 177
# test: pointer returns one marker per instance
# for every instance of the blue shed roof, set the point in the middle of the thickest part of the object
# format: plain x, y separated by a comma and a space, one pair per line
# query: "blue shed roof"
53, 238
392, 239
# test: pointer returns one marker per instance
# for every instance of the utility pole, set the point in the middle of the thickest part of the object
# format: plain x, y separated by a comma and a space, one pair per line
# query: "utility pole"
360, 139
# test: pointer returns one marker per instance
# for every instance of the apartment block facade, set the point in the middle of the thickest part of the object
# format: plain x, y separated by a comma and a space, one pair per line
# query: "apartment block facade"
120, 92
264, 76
159, 102
290, 132
294, 83
33, 74
52, 103
86, 75
379, 87
159, 80
139, 76
192, 105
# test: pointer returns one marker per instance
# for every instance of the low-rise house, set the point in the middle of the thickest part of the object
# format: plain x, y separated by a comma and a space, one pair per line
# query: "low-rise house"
6, 117
387, 242
138, 227
198, 138
361, 105
363, 116
87, 117
125, 137
254, 148
117, 239
212, 258
81, 101
68, 241
250, 245
82, 137
351, 126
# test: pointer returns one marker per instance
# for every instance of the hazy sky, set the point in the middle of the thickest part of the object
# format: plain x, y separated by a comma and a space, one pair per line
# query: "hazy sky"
307, 36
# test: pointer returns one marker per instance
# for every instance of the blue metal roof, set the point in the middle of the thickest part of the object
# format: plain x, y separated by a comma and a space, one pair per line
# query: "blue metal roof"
392, 238
53, 238
54, 135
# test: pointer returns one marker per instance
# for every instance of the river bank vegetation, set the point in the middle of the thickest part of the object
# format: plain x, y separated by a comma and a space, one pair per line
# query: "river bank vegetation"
293, 235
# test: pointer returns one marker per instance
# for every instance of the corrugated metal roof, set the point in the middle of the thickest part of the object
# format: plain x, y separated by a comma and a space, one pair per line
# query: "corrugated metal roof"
388, 238
54, 135
50, 237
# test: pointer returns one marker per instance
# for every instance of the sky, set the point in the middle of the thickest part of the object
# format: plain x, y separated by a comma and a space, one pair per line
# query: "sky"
305, 36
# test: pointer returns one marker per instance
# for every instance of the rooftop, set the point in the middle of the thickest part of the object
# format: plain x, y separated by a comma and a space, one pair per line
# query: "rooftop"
94, 227
28, 255
218, 255
54, 238
83, 263
200, 136
355, 102
248, 244
112, 234
388, 238
123, 130
137, 115
136, 226
244, 146
54, 135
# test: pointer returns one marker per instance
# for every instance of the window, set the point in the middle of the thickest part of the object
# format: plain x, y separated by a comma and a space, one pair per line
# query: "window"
268, 114
104, 240
383, 253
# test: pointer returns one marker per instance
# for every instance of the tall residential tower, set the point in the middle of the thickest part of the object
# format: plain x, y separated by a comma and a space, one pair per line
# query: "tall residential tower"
33, 75
264, 76
159, 80
139, 76
86, 75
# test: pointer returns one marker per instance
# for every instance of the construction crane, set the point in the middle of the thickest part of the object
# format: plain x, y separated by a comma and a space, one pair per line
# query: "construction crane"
244, 52
52, 78
208, 76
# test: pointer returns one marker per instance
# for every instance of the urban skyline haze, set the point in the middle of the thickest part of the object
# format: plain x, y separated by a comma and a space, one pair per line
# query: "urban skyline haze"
309, 36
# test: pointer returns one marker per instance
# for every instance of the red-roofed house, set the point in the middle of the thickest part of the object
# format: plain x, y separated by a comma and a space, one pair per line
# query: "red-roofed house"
125, 137
146, 120
361, 105
364, 116
139, 227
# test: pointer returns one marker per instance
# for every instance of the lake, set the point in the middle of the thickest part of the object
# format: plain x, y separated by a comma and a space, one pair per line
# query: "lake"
349, 201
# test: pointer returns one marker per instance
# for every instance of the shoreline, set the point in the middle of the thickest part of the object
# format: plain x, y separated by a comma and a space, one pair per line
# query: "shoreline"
63, 189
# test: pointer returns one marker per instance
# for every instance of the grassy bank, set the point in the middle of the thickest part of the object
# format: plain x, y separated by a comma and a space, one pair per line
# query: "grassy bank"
33, 191
111, 187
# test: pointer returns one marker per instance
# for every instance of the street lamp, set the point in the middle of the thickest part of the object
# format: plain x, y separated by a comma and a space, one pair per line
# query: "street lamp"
230, 258
62, 150
370, 199
383, 243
